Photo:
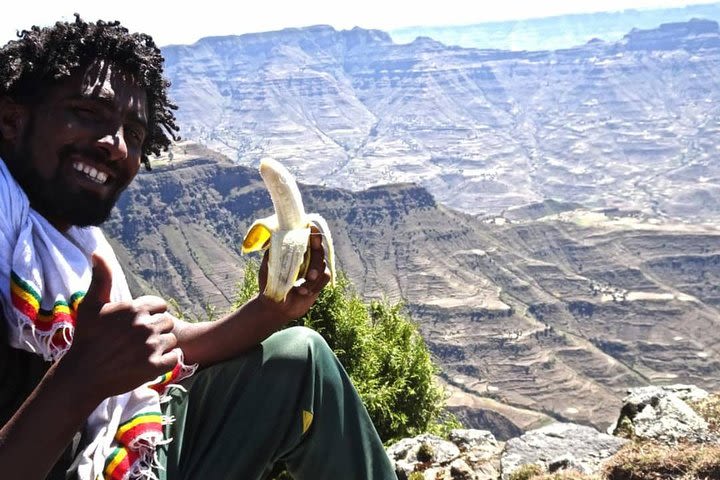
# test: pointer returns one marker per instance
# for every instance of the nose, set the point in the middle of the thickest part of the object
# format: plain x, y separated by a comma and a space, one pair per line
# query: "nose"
114, 145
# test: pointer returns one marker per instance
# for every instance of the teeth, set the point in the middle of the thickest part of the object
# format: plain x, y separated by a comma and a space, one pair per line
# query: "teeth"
91, 172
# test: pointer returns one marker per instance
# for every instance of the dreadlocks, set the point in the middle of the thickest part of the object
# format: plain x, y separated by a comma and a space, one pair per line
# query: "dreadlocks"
41, 56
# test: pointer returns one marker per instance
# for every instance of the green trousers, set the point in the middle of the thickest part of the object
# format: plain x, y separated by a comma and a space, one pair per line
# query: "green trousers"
288, 400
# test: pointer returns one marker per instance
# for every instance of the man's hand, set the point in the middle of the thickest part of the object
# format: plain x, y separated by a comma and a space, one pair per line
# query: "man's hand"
207, 343
119, 346
299, 299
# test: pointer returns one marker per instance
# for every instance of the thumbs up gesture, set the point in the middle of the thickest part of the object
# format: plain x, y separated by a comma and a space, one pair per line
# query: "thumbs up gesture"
118, 346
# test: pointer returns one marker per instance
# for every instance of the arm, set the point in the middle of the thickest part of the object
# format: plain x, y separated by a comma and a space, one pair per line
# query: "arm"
116, 347
35, 437
207, 343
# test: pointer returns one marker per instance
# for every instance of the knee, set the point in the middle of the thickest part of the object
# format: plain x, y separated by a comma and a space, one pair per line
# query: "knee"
297, 343
306, 336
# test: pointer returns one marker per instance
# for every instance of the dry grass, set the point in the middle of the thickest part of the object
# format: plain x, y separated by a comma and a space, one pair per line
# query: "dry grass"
536, 472
527, 472
566, 475
709, 409
649, 460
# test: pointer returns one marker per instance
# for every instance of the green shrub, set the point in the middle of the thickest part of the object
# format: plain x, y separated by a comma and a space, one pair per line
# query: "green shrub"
384, 354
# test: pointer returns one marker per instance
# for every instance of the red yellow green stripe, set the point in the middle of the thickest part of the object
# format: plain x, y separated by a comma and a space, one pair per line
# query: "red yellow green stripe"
163, 380
27, 300
118, 463
139, 425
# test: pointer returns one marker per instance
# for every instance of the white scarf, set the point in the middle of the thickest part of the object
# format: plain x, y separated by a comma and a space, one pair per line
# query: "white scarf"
43, 277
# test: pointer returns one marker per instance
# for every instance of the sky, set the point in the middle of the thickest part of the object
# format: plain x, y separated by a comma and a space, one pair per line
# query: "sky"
173, 22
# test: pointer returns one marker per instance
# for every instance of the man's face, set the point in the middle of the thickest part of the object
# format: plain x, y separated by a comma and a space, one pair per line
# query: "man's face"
81, 145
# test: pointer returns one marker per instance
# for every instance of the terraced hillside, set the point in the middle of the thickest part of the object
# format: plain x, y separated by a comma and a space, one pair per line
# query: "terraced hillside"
632, 124
552, 310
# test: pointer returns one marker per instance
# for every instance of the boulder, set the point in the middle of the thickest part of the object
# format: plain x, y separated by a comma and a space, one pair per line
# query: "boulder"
421, 453
560, 446
468, 455
661, 413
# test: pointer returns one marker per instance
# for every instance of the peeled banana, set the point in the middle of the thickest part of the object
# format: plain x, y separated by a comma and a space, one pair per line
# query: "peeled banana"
286, 233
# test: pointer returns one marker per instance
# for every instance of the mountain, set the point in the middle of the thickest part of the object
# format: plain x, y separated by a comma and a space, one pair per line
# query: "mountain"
556, 32
632, 124
550, 312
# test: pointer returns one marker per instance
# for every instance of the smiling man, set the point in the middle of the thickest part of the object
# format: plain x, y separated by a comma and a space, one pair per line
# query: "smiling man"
89, 374
80, 144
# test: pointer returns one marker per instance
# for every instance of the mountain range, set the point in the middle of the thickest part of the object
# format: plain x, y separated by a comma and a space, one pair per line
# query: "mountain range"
551, 310
556, 32
549, 218
632, 124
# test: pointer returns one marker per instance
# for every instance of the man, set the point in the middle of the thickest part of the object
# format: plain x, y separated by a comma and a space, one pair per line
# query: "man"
82, 105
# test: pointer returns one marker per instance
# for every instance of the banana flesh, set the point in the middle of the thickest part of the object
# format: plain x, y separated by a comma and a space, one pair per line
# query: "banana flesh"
286, 233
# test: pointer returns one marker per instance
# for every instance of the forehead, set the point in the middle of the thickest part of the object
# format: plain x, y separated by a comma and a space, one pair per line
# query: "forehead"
106, 83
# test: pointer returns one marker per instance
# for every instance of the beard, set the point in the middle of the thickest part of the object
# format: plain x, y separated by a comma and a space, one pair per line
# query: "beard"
56, 198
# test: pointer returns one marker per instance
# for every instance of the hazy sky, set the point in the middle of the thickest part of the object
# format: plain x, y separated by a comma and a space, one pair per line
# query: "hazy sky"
172, 22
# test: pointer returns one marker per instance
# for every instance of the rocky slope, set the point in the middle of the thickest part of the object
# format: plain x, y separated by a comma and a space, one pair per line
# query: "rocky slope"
632, 124
656, 422
550, 313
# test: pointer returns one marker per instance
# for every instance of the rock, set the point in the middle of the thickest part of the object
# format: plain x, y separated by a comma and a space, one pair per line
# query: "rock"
420, 452
565, 462
472, 439
480, 451
469, 455
684, 392
660, 413
459, 470
549, 446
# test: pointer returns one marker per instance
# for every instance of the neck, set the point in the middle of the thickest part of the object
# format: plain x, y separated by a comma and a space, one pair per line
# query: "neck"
7, 158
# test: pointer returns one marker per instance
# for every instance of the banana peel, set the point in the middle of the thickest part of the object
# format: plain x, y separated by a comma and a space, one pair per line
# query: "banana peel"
286, 233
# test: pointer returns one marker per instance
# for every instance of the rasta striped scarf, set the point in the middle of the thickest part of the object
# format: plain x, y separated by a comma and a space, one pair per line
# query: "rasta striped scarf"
43, 278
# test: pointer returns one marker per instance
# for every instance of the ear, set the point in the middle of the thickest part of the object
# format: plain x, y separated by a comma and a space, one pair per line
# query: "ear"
13, 118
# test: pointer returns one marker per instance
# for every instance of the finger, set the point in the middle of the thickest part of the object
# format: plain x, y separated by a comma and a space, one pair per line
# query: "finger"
150, 304
167, 361
262, 274
98, 293
314, 287
161, 322
317, 258
315, 238
320, 282
167, 342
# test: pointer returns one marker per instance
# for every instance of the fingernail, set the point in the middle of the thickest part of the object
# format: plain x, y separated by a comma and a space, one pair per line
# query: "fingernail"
312, 274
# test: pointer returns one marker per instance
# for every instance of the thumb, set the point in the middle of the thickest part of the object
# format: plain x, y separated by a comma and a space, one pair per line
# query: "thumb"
98, 293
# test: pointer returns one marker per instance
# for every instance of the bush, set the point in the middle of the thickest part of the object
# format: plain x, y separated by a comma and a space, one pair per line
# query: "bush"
384, 354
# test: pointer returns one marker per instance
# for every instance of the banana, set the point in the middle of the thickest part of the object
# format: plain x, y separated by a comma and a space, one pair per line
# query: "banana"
286, 233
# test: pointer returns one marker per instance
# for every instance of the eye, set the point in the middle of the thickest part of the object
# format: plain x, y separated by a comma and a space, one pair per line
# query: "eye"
137, 134
85, 112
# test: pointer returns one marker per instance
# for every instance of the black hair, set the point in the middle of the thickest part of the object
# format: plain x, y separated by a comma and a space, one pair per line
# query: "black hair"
42, 56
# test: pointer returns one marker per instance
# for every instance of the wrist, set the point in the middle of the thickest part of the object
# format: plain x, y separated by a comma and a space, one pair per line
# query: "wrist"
274, 310
79, 389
